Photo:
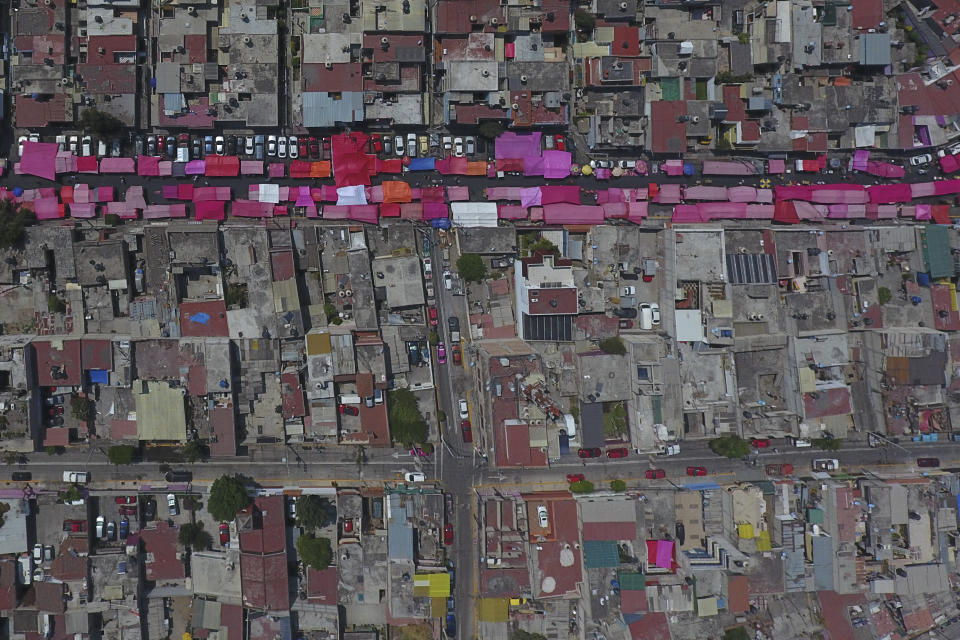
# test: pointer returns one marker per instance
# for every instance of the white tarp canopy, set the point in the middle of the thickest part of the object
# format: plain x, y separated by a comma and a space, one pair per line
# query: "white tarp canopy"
351, 195
269, 193
474, 214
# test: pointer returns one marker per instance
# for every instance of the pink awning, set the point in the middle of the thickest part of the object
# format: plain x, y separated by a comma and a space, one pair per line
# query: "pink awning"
760, 211
705, 193
809, 211
47, 208
40, 159
435, 210
83, 210
776, 166
686, 213
556, 164
166, 168
276, 169
728, 168
533, 166
134, 196
148, 165
885, 193
511, 212
614, 210
118, 165
742, 194
433, 194
458, 194
637, 212
210, 209
669, 194
251, 209
87, 164
830, 195
504, 193
881, 211
923, 212
673, 167
566, 213
122, 210
209, 193
195, 167
157, 211
560, 193
531, 197
923, 189
411, 211
722, 210
81, 193
363, 213
65, 162
947, 187
251, 167
517, 145
104, 194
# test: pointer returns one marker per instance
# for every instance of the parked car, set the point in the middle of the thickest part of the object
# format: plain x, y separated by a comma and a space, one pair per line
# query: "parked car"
928, 462
575, 477
458, 147
224, 533
208, 145
74, 526
448, 534
464, 409
398, 147
111, 530
231, 145
294, 148
441, 353
124, 528
620, 312
466, 431
115, 148
447, 143
220, 149
282, 147
21, 476
303, 150
349, 410
432, 315
414, 476
376, 143
197, 144
53, 400
696, 471
760, 443
38, 553
591, 452
922, 159
542, 516
387, 145
258, 142
412, 145
655, 474
548, 142
149, 509
455, 350
619, 452
172, 507
272, 146
424, 146
180, 475
560, 143
629, 291
100, 526
48, 553
451, 626
86, 146
471, 145
313, 146
447, 280
125, 499
248, 146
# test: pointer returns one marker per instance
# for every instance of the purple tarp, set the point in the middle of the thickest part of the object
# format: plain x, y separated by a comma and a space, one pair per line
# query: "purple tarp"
565, 213
83, 210
530, 197
195, 167
39, 159
556, 164
515, 145
118, 165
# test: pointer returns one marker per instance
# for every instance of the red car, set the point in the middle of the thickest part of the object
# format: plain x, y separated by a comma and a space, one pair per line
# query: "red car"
696, 471
376, 143
455, 351
655, 474
125, 499
302, 147
928, 462
55, 411
760, 443
432, 313
559, 143
593, 452
466, 431
224, 533
349, 410
348, 525
314, 146
74, 526
575, 477
128, 510
448, 534
619, 452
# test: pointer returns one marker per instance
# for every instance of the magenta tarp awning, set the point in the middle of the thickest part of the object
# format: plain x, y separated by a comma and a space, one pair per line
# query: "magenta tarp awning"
458, 166
949, 164
886, 193
533, 166
860, 158
47, 209
411, 211
614, 210
276, 169
515, 145
363, 213
87, 164
809, 211
169, 191
792, 192
697, 192
335, 212
552, 194
556, 164
686, 213
612, 194
210, 209
947, 187
134, 196
923, 212
923, 189
195, 167
532, 197
118, 165
210, 193
566, 213
148, 165
433, 194
304, 197
831, 195
885, 169
328, 193
166, 168
185, 191
40, 159
511, 212
669, 194
251, 209
458, 194
722, 210
846, 211
776, 166
728, 168
637, 211
350, 164
673, 167
122, 210
664, 557
390, 210
104, 194
881, 211
65, 162
435, 210
505, 193
83, 210
760, 211
742, 194
156, 211
251, 167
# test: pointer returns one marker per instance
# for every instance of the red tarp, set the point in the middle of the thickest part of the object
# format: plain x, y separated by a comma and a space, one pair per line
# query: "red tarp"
184, 191
941, 213
85, 164
251, 209
209, 209
565, 213
510, 165
363, 213
148, 165
432, 194
947, 187
300, 169
784, 211
886, 193
559, 193
435, 210
350, 164
390, 210
636, 211
393, 165
223, 166
949, 164
117, 165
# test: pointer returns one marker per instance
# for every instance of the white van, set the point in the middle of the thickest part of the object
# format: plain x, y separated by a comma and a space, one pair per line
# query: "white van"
101, 148
25, 571
646, 316
349, 398
800, 443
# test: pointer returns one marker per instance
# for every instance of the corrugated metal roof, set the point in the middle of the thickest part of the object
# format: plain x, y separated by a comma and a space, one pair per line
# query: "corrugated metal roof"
320, 109
600, 553
399, 530
936, 252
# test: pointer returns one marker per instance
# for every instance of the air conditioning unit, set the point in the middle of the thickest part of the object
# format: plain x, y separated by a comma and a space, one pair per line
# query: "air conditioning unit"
494, 21
328, 65
523, 79
384, 40
515, 106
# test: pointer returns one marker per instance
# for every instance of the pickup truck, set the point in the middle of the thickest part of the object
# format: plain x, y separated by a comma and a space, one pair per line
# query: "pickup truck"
826, 464
784, 469
669, 450
76, 477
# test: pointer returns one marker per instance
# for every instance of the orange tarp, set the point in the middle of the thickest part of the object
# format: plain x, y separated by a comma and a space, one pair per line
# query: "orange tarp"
396, 191
320, 169
477, 168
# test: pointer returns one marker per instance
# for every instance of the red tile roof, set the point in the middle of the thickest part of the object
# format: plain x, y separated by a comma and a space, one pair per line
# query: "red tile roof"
108, 78
231, 617
395, 43
530, 113
123, 429
282, 262
62, 356
609, 531
553, 301
626, 42
96, 354
829, 402
867, 14
268, 535
50, 597
264, 581
556, 17
504, 583
292, 394
945, 9
736, 110
471, 47
833, 607
8, 584
453, 16
750, 131
224, 428
338, 78
68, 564
216, 325
936, 99
39, 113
738, 590
110, 45
566, 534
653, 626
161, 543
667, 134
944, 317
47, 46
322, 585
196, 46
56, 437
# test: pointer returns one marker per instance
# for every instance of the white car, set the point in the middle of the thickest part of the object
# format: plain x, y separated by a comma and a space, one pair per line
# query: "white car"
471, 145
34, 137
542, 517
412, 145
414, 476
172, 504
20, 142
458, 147
292, 509
655, 311
101, 522
248, 147
427, 268
85, 145
294, 150
447, 280
219, 145
447, 143
282, 147
922, 159
398, 147
629, 290
74, 144
463, 409
271, 146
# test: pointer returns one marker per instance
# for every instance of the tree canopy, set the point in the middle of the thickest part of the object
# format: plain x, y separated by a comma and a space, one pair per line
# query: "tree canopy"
80, 407
730, 446
101, 123
618, 485
195, 450
471, 267
407, 425
315, 552
14, 221
228, 495
490, 129
614, 345
827, 444
583, 486
194, 537
312, 512
121, 454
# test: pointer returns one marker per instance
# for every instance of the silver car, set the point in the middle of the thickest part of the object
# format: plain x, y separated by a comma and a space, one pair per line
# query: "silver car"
398, 146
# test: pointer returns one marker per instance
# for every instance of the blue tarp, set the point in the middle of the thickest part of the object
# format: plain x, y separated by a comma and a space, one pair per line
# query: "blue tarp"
422, 164
688, 169
98, 376
923, 279
200, 318
440, 223
702, 486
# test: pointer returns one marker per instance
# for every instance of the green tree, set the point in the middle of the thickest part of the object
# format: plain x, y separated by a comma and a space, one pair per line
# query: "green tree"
228, 495
70, 495
434, 338
730, 446
584, 20
618, 485
490, 129
737, 633
101, 123
192, 536
120, 454
614, 345
11, 457
236, 295
195, 450
407, 425
54, 451
584, 486
4, 507
80, 407
111, 219
827, 444
743, 37
55, 304
544, 246
330, 310
14, 221
471, 267
615, 421
313, 512
315, 552
883, 295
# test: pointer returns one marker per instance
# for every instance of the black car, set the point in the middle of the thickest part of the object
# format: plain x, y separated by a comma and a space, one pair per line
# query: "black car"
53, 422
197, 143
454, 323
625, 313
928, 462
451, 626
178, 476
149, 509
231, 145
151, 145
21, 476
171, 147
